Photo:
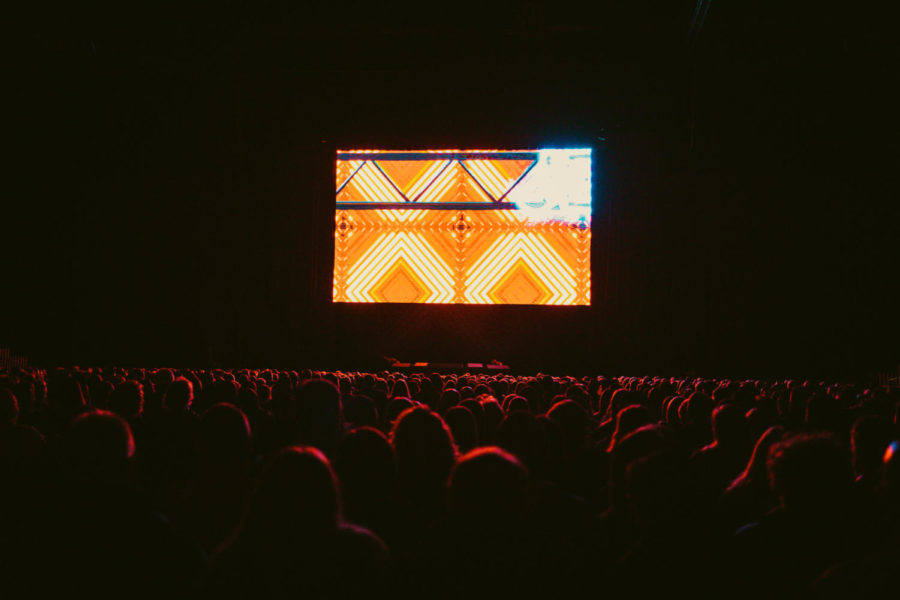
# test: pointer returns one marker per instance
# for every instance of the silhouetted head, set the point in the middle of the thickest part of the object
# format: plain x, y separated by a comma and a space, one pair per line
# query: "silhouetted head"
162, 379
758, 419
9, 407
729, 426
225, 391
424, 447
127, 400
282, 396
99, 447
488, 484
394, 408
66, 398
640, 443
619, 399
516, 403
825, 412
248, 400
318, 414
809, 473
574, 422
449, 398
400, 389
521, 434
890, 476
578, 393
869, 438
359, 410
533, 395
223, 436
655, 489
366, 466
462, 424
296, 498
672, 406
795, 410
493, 414
755, 472
179, 395
483, 389
699, 411
477, 411
629, 419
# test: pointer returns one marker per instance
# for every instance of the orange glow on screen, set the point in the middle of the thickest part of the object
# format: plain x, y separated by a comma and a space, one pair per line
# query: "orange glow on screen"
463, 227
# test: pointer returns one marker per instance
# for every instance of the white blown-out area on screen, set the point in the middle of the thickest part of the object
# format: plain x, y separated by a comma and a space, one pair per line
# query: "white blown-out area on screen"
558, 188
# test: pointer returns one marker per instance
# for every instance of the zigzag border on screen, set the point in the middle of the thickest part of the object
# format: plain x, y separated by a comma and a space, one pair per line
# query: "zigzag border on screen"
496, 203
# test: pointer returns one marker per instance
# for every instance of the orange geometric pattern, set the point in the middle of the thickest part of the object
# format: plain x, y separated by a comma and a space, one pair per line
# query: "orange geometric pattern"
440, 227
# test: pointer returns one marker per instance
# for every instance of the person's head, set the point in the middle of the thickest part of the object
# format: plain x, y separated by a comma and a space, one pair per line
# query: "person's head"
758, 419
655, 489
282, 396
638, 444
127, 400
488, 485
424, 447
699, 413
729, 426
179, 395
66, 398
810, 473
9, 407
248, 400
493, 414
99, 446
318, 414
223, 437
672, 405
366, 465
869, 438
755, 472
462, 424
514, 403
533, 394
890, 473
394, 408
162, 379
793, 406
574, 422
520, 434
295, 499
578, 392
619, 399
477, 411
360, 410
400, 389
825, 412
627, 420
449, 398
224, 391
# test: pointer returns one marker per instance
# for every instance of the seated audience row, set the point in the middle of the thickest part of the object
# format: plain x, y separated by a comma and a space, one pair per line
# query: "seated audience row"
304, 484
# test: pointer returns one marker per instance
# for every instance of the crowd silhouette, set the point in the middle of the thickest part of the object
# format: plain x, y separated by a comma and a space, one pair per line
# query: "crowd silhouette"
130, 482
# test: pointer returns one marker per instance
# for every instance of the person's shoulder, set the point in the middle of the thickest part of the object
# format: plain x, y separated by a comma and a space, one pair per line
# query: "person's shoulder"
356, 536
770, 522
359, 546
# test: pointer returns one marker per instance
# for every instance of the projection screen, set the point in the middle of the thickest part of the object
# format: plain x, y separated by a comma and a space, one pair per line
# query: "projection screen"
463, 226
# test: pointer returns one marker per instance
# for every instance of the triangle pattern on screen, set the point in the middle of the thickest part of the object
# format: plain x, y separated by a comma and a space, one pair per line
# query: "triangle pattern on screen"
497, 177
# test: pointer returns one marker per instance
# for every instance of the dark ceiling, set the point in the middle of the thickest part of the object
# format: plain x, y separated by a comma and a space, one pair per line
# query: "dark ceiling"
166, 200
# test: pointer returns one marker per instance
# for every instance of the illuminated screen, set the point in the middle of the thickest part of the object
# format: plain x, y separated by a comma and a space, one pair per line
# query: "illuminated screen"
463, 226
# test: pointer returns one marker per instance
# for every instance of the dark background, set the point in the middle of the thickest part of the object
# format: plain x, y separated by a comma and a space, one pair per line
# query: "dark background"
169, 198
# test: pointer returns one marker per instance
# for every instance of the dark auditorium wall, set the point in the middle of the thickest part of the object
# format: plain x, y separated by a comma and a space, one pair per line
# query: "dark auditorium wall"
171, 195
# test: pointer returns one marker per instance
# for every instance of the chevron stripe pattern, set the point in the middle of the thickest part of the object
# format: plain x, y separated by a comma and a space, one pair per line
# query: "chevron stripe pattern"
462, 227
